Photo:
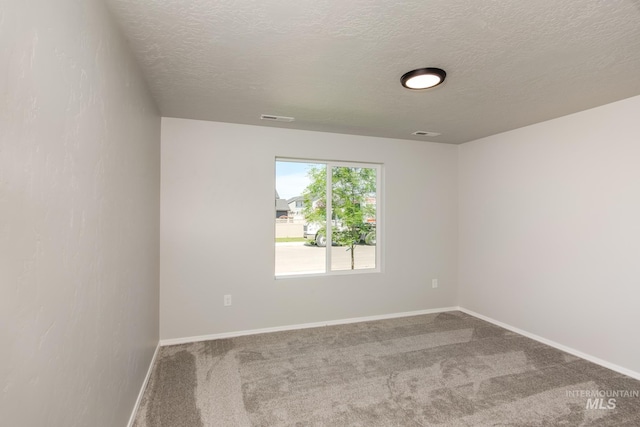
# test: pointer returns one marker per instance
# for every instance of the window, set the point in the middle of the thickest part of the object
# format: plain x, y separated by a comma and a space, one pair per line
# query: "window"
339, 224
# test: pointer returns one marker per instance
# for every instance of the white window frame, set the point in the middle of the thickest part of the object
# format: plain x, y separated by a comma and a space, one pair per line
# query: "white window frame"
330, 164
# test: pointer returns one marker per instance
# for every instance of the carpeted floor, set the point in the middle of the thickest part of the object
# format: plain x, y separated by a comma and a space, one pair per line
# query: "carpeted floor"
448, 369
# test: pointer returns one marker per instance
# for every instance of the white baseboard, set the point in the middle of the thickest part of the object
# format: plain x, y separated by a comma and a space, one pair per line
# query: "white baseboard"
174, 341
132, 418
597, 361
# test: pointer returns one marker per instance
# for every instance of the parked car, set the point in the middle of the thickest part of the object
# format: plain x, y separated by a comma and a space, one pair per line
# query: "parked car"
318, 233
311, 229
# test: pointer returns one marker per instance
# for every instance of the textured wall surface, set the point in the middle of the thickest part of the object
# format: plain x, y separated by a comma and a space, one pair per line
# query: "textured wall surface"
79, 217
214, 172
550, 230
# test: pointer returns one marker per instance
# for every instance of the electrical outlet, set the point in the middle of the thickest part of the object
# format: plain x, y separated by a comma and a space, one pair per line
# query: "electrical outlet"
227, 300
434, 283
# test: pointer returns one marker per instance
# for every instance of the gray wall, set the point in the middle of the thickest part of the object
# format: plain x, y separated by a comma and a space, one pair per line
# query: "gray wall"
206, 164
79, 217
550, 230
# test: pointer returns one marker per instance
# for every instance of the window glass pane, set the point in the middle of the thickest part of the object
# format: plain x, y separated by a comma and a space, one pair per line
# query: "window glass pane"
353, 218
300, 212
326, 217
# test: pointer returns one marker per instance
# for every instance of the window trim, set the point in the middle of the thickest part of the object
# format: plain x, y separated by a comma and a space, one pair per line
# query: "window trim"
380, 197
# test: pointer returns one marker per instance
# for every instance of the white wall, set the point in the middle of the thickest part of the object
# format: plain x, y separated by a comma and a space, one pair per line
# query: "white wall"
214, 171
79, 217
550, 230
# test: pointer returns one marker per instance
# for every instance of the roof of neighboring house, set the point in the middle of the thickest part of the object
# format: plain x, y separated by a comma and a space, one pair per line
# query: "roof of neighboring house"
282, 205
295, 199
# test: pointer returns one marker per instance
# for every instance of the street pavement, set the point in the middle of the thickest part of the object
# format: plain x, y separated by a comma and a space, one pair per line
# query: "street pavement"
298, 258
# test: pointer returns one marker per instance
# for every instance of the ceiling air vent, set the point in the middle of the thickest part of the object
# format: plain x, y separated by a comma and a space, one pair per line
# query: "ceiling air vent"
425, 133
276, 118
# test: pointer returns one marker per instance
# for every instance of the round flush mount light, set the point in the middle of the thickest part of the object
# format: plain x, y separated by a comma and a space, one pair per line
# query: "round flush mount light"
423, 78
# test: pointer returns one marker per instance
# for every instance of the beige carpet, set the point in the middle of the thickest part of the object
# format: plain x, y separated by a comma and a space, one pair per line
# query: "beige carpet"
448, 369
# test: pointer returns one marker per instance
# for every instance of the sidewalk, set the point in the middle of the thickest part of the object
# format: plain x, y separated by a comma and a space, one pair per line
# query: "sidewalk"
290, 243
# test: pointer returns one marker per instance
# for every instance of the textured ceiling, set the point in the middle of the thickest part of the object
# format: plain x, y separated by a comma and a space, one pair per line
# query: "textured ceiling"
335, 65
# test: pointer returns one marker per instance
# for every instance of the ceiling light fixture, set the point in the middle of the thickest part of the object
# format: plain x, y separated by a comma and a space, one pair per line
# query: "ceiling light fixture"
423, 78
